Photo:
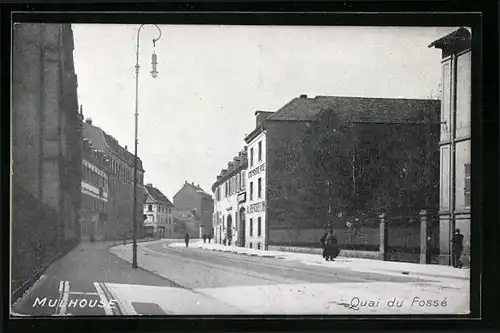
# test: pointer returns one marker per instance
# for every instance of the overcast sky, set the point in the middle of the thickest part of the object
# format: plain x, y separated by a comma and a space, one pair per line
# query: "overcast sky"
194, 115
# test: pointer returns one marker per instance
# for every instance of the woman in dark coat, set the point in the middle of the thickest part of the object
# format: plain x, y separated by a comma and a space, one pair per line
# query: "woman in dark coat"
331, 248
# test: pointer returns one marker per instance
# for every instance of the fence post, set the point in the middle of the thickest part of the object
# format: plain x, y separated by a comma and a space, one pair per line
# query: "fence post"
423, 237
383, 238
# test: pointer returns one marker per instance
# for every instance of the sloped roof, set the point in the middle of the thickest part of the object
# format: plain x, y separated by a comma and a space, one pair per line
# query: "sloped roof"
357, 109
300, 108
450, 40
157, 195
197, 189
103, 141
379, 110
184, 216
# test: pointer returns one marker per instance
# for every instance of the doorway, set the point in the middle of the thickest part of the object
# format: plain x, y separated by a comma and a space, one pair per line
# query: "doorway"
229, 229
242, 227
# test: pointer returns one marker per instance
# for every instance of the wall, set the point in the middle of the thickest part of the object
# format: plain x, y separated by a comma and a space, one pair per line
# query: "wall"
455, 153
207, 209
45, 147
291, 182
255, 206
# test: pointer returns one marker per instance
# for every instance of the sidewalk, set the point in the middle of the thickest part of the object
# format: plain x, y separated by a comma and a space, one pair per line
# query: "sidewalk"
81, 269
364, 265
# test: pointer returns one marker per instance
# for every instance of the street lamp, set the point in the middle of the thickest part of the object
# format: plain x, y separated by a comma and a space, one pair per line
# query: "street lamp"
154, 74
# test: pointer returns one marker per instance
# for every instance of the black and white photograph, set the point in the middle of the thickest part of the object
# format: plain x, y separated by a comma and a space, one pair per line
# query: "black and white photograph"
217, 169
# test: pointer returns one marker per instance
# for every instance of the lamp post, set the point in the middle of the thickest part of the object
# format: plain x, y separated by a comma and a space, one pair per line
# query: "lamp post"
154, 74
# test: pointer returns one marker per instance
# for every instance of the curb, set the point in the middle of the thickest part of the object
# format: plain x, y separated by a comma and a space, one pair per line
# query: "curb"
408, 273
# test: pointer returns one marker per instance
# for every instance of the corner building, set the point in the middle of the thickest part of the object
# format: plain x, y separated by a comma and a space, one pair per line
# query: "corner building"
455, 142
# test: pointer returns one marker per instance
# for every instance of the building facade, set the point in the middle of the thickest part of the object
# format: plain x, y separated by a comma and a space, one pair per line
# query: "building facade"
46, 147
119, 221
93, 214
193, 198
229, 203
455, 141
159, 222
256, 211
186, 222
317, 160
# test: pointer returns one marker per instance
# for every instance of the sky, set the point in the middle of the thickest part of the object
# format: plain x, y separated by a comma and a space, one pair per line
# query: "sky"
194, 116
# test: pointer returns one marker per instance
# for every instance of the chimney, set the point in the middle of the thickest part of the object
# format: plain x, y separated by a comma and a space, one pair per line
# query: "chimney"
88, 121
149, 185
192, 183
260, 116
197, 185
303, 96
125, 147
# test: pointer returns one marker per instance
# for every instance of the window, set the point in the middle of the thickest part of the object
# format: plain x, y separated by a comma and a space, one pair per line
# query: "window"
259, 231
250, 245
251, 157
251, 191
251, 227
260, 151
259, 187
258, 246
226, 187
467, 188
243, 180
150, 208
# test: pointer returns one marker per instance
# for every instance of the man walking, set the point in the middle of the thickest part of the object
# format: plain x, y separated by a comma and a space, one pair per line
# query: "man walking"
186, 239
457, 247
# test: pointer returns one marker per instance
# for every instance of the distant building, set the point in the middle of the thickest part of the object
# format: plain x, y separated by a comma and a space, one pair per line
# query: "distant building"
158, 211
229, 202
119, 223
46, 148
193, 198
93, 216
455, 147
186, 221
318, 159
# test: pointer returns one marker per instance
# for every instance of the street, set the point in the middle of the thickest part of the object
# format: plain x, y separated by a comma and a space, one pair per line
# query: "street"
96, 279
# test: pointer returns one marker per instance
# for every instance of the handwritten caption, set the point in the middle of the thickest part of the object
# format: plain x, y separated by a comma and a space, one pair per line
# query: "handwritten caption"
356, 303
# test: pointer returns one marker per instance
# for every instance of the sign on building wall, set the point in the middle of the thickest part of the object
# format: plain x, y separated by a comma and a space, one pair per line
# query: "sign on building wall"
257, 207
257, 170
242, 197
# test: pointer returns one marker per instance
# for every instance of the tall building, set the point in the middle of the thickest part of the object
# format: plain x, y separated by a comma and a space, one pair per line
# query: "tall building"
158, 211
46, 147
193, 198
318, 159
95, 193
229, 202
119, 220
455, 148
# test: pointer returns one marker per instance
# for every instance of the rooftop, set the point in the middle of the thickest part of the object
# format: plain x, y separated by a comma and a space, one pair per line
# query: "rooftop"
105, 142
157, 195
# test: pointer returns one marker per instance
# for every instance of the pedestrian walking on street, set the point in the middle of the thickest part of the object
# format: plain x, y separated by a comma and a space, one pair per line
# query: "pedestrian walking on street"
331, 248
204, 238
209, 238
186, 239
457, 247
